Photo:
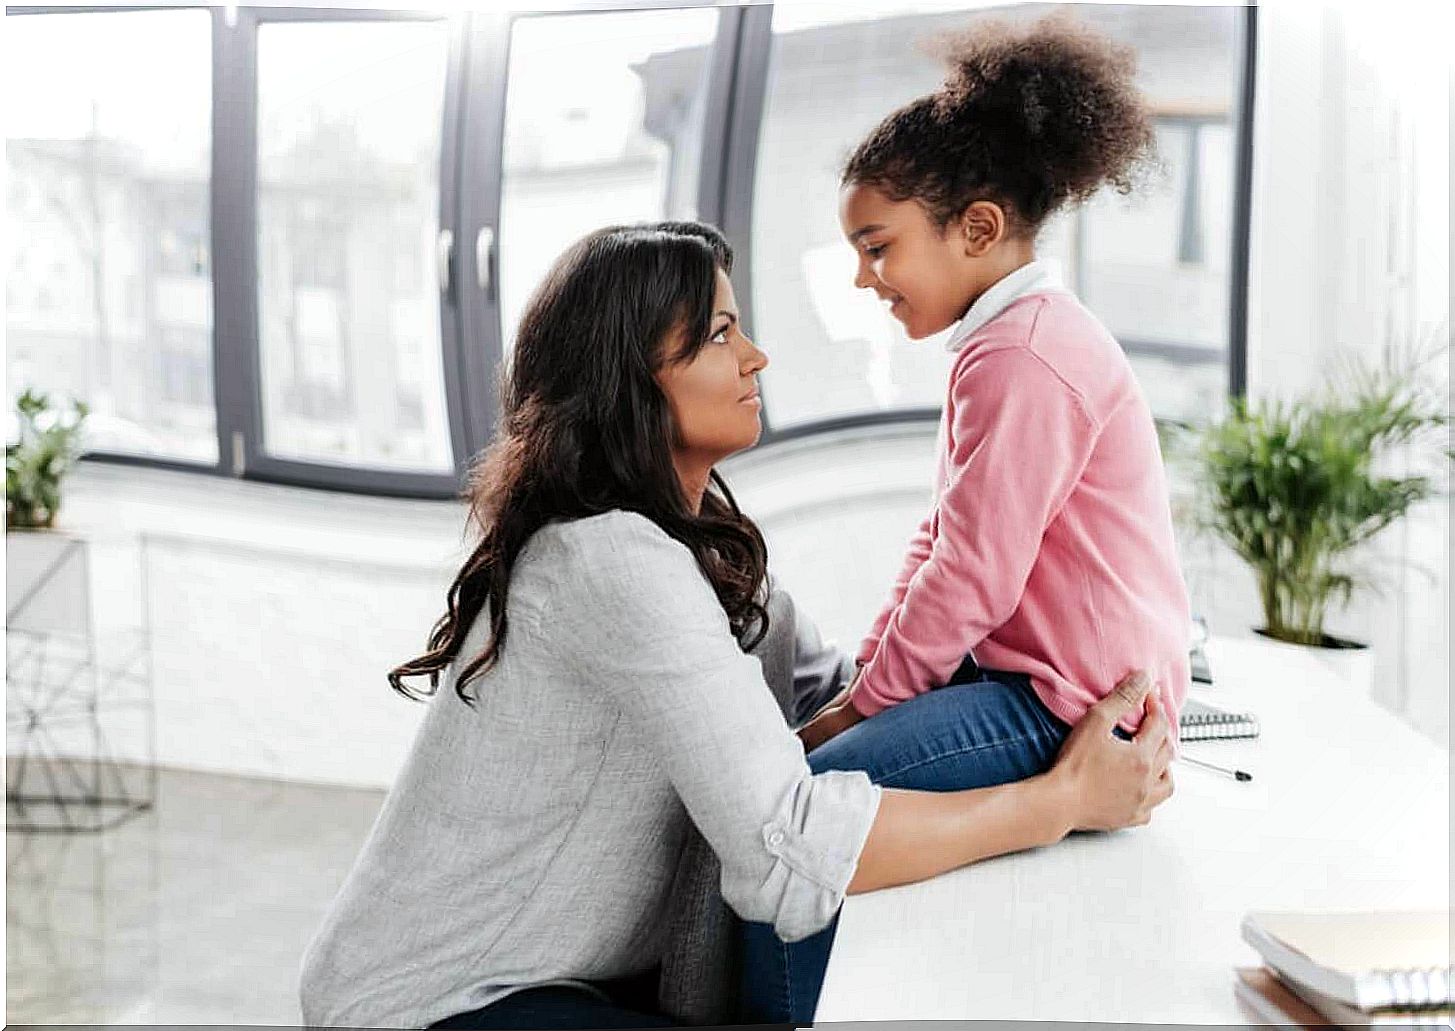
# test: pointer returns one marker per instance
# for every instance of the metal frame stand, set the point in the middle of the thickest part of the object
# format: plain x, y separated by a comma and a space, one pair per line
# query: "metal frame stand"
72, 701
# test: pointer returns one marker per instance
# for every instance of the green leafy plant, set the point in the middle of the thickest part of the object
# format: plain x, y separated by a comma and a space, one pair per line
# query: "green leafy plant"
1294, 488
49, 445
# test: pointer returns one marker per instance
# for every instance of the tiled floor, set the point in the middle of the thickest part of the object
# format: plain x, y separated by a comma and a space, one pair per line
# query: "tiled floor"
195, 912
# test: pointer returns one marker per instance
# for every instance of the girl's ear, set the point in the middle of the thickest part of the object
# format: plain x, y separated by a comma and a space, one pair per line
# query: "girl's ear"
983, 225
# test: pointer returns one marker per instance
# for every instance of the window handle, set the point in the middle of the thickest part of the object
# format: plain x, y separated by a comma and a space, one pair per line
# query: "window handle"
444, 252
484, 253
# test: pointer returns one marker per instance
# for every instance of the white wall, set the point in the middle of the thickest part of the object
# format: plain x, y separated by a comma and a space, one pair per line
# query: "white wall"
274, 614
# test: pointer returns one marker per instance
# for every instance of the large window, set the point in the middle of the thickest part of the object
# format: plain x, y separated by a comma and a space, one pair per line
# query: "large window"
349, 121
108, 285
335, 306
1155, 268
604, 118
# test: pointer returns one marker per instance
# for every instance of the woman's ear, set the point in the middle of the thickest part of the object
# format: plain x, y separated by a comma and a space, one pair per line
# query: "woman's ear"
983, 225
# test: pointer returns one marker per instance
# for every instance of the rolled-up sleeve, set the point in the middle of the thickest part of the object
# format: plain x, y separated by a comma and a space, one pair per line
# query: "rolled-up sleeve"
642, 625
806, 837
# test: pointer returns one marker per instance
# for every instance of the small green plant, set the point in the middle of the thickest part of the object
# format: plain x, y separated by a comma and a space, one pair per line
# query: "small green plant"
1293, 489
49, 445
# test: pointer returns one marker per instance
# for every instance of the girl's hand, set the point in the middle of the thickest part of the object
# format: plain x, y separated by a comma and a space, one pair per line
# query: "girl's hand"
831, 721
1108, 783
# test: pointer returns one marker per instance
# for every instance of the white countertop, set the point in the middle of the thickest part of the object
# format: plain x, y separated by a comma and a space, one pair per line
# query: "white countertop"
1348, 809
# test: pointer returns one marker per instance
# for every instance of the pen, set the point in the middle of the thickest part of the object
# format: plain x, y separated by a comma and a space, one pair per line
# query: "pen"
1235, 774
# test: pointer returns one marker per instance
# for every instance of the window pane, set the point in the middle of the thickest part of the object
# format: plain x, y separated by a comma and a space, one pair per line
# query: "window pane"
109, 280
1156, 271
349, 119
1154, 267
603, 124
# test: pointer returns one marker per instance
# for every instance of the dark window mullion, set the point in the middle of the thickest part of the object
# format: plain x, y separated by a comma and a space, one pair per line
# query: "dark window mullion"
882, 417
1242, 207
234, 241
722, 72
753, 54
355, 479
448, 248
481, 141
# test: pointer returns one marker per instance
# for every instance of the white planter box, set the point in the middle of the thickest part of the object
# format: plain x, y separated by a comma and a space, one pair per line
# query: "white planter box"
1347, 669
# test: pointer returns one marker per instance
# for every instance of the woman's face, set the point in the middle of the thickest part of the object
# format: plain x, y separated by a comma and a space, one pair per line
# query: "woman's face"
925, 276
714, 397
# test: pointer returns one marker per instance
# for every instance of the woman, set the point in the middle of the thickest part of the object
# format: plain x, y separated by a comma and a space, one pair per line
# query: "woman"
602, 703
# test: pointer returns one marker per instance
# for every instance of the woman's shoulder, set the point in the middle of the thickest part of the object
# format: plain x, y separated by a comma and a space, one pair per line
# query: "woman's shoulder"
617, 566
614, 552
618, 531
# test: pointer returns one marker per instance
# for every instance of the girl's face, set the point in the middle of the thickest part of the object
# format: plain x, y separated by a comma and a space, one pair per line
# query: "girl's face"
714, 397
928, 278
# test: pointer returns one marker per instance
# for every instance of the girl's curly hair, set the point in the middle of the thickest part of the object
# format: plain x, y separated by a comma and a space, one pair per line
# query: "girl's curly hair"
1032, 118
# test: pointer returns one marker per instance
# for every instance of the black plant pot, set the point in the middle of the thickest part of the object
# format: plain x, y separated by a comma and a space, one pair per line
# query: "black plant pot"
1325, 641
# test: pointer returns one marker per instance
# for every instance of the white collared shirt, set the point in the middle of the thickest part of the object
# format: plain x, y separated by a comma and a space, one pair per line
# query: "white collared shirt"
1031, 278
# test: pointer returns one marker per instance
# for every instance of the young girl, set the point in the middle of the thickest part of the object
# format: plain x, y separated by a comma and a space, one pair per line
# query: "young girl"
1046, 568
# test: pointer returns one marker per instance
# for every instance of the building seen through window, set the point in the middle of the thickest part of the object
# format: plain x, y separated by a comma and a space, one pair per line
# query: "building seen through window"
349, 123
108, 286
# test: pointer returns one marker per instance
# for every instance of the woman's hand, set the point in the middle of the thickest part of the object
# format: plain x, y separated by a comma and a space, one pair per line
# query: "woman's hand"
1108, 783
1097, 783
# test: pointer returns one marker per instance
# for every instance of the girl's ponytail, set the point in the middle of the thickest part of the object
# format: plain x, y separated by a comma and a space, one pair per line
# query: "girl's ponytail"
1032, 118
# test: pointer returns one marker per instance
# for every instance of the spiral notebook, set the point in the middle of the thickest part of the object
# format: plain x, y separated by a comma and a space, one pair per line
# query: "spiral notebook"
1370, 961
1200, 721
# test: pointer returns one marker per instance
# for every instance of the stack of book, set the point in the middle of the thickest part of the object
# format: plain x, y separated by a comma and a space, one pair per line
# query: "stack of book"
1349, 969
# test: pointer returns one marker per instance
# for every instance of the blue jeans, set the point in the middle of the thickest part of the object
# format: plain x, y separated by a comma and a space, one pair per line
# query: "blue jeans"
989, 730
632, 1002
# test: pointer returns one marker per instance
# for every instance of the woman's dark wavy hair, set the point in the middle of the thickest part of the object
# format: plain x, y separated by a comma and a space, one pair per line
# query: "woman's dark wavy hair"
1032, 118
586, 429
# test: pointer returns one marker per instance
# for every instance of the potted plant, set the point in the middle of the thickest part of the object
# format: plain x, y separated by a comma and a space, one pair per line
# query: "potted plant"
49, 444
1295, 488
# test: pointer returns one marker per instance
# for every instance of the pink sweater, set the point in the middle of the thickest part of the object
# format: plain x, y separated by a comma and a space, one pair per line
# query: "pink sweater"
1048, 549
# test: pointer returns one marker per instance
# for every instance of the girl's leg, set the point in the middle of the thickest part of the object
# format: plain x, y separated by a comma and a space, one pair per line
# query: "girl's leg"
991, 731
971, 735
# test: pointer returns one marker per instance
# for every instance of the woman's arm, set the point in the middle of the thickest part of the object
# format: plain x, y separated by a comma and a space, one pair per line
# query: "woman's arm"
1098, 783
639, 624
636, 623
